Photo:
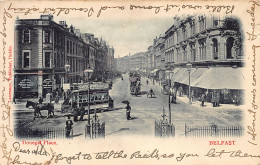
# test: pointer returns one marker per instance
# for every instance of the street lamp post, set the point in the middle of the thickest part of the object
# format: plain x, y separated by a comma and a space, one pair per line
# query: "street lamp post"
189, 69
169, 101
67, 69
87, 73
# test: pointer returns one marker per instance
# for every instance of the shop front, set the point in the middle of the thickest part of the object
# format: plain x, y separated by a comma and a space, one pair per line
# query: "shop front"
224, 84
26, 86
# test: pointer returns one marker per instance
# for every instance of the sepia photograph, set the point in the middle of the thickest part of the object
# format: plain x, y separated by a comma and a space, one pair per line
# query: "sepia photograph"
140, 82
187, 82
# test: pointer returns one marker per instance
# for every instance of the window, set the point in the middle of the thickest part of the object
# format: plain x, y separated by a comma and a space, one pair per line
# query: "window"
26, 36
192, 28
73, 47
230, 48
184, 33
47, 59
68, 46
215, 48
184, 54
26, 59
178, 38
202, 50
55, 63
47, 37
202, 23
215, 21
178, 55
173, 56
193, 52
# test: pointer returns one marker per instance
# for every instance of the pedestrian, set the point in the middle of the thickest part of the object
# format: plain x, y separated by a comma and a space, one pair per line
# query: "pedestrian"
14, 100
40, 100
110, 102
236, 100
68, 127
128, 109
180, 91
217, 99
147, 81
82, 113
75, 114
192, 96
173, 98
202, 99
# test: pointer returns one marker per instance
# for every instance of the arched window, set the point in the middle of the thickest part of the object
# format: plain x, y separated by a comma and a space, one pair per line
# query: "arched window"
193, 52
215, 48
202, 49
229, 47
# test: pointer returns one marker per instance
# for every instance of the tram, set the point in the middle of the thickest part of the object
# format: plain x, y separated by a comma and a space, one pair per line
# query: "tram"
99, 99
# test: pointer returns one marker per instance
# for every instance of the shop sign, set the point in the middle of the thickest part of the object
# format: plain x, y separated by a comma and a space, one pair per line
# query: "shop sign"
26, 84
47, 84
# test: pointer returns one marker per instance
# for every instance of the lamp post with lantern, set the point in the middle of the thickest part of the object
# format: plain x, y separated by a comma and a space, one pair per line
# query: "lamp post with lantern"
66, 88
67, 69
87, 73
189, 65
169, 99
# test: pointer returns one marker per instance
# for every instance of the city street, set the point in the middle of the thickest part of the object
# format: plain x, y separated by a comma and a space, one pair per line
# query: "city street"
145, 111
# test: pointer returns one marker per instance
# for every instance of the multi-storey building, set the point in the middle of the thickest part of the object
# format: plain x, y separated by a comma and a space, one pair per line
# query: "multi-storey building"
43, 48
212, 48
207, 50
159, 67
110, 59
123, 63
135, 61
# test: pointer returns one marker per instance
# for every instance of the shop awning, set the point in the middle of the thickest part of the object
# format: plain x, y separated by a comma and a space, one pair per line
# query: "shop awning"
220, 78
154, 71
178, 72
194, 75
184, 75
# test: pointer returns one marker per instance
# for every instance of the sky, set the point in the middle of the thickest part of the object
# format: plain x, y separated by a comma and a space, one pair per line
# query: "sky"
125, 35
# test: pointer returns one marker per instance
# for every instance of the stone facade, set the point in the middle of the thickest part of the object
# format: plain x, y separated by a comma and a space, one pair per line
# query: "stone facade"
200, 40
43, 48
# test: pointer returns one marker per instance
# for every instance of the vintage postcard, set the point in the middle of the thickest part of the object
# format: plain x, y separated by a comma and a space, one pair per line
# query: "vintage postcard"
139, 82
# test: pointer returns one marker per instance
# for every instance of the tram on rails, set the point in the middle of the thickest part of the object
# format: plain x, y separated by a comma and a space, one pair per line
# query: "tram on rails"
97, 97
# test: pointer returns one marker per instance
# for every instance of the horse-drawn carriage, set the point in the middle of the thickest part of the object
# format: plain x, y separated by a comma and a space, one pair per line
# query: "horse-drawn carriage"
135, 84
134, 90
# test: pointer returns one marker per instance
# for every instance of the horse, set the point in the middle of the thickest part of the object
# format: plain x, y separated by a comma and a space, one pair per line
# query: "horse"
38, 107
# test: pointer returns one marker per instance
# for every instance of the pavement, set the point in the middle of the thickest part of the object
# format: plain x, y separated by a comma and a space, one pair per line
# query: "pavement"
145, 111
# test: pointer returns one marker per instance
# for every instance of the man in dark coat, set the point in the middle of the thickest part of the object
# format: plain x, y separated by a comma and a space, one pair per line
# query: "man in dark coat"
110, 102
40, 100
173, 98
68, 127
82, 113
202, 99
75, 113
128, 110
